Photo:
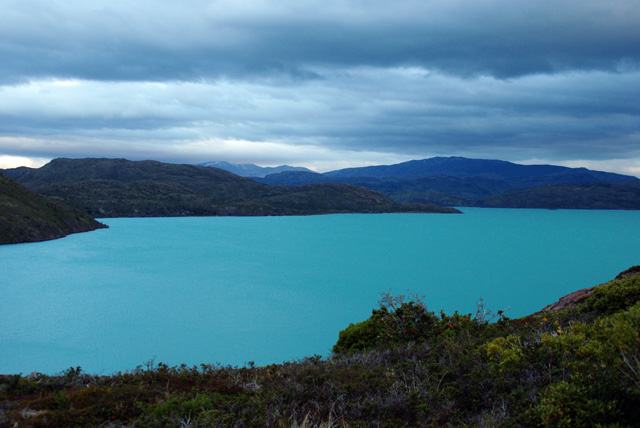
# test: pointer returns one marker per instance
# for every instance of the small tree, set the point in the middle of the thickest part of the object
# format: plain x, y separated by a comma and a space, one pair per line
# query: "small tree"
402, 320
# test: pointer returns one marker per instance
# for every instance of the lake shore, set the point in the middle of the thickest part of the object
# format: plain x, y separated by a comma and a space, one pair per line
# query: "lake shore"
464, 372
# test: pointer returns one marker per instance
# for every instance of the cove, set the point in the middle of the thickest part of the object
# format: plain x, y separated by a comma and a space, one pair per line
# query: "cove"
272, 289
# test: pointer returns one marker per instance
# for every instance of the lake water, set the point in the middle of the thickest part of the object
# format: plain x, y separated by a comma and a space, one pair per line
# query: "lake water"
273, 289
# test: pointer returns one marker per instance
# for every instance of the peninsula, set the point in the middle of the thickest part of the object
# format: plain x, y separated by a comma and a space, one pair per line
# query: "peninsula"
26, 216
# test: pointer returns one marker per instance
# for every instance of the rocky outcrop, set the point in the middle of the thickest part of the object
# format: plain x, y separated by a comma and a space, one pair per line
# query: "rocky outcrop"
572, 299
634, 270
569, 300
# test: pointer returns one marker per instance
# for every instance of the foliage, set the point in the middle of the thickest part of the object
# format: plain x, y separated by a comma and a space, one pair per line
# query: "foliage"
615, 296
399, 321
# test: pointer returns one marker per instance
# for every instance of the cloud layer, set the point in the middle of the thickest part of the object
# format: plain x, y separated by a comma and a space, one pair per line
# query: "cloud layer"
323, 84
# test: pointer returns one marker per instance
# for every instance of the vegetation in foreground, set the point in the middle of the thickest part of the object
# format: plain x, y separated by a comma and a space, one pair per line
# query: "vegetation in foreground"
403, 367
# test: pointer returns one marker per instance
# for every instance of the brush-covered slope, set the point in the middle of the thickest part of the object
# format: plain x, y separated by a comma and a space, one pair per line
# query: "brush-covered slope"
122, 188
26, 216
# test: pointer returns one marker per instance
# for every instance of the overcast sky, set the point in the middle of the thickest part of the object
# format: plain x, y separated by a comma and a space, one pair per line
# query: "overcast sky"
324, 84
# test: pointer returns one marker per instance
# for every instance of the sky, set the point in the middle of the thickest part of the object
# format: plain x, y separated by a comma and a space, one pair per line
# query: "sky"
323, 84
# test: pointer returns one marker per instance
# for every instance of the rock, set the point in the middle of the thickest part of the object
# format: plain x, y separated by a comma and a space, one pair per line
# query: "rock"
569, 300
634, 270
576, 297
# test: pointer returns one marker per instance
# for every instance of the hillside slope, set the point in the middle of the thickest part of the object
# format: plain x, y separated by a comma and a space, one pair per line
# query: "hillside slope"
625, 196
123, 188
523, 175
457, 181
26, 216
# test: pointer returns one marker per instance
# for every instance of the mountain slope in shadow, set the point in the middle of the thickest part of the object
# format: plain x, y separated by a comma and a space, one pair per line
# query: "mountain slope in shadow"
26, 216
123, 188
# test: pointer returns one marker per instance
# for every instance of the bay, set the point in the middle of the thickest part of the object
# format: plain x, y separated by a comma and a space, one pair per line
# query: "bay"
234, 290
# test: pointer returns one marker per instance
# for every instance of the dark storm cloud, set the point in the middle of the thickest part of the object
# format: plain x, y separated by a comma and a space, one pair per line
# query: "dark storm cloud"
408, 112
193, 40
321, 82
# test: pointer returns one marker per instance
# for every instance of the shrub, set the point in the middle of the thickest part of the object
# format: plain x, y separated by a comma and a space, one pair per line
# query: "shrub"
396, 322
613, 296
571, 405
620, 335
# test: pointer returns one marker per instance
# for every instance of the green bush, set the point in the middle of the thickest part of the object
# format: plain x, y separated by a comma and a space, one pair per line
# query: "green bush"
396, 322
571, 405
620, 336
358, 337
613, 296
593, 373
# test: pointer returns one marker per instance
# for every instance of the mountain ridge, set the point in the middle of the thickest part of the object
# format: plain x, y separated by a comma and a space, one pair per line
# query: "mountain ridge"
123, 188
457, 181
252, 170
456, 166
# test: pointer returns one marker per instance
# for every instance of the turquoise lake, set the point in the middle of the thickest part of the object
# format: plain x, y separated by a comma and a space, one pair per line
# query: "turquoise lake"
271, 289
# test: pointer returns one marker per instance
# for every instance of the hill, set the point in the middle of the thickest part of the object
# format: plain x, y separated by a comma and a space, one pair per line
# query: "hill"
403, 367
523, 175
625, 196
457, 181
251, 170
123, 188
26, 216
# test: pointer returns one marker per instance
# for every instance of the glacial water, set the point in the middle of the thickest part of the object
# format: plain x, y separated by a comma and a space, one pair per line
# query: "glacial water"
274, 289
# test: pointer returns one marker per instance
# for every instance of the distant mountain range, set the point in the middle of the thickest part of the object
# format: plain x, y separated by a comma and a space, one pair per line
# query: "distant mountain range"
251, 170
123, 188
26, 216
457, 181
